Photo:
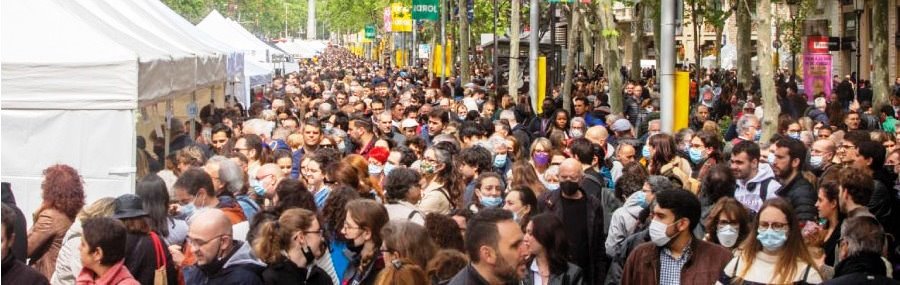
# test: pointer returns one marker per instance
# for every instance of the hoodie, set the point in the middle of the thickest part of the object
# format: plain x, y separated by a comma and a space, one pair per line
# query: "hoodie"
241, 268
624, 220
748, 191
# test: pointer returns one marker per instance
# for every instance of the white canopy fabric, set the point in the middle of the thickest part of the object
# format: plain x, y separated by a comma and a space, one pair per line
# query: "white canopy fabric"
69, 94
232, 33
303, 48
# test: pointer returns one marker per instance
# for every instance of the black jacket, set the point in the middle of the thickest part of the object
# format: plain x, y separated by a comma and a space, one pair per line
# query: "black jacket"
287, 272
20, 244
573, 275
801, 194
16, 272
865, 268
140, 259
599, 263
469, 276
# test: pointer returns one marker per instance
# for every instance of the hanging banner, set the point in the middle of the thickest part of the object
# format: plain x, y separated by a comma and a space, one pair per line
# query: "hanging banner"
816, 75
401, 18
370, 32
426, 10
387, 19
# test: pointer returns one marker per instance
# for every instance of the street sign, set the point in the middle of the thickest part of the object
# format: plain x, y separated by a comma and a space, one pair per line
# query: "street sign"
370, 32
834, 43
426, 10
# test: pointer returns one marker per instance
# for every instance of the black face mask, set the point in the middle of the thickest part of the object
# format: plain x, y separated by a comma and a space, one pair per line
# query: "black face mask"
569, 187
214, 266
356, 249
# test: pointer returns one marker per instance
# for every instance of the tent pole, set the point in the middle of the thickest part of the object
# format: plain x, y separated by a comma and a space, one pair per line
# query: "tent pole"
191, 116
168, 126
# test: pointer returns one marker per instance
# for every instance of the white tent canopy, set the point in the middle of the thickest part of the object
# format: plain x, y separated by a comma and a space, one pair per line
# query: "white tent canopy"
232, 33
303, 48
70, 103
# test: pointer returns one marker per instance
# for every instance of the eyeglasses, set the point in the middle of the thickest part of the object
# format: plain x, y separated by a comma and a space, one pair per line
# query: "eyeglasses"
320, 231
772, 225
326, 145
260, 178
347, 226
200, 243
847, 146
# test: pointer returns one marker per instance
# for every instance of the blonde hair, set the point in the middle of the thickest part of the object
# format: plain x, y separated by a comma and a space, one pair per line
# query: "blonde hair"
402, 272
295, 141
103, 207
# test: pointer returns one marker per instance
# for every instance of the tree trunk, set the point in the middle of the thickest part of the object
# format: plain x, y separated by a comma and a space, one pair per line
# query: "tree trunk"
695, 23
743, 43
880, 39
637, 43
513, 83
463, 42
587, 45
718, 46
655, 18
611, 54
766, 70
571, 53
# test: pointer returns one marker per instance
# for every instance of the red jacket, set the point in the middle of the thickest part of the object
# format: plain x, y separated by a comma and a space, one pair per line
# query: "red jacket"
116, 275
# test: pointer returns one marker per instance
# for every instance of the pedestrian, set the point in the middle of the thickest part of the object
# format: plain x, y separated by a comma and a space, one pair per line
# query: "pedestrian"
728, 223
495, 250
20, 245
152, 191
522, 203
103, 253
674, 255
62, 192
68, 263
774, 252
146, 253
402, 272
290, 245
862, 242
220, 258
441, 191
15, 271
547, 244
790, 156
755, 180
407, 241
403, 192
489, 192
362, 230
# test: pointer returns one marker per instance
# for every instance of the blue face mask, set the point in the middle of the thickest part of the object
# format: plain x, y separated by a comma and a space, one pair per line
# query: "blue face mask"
795, 136
552, 186
258, 188
816, 161
188, 210
641, 199
388, 167
646, 152
374, 169
772, 239
491, 202
771, 158
757, 136
499, 160
696, 154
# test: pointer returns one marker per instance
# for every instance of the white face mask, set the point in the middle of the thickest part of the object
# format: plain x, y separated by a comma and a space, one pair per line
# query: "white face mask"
727, 235
658, 233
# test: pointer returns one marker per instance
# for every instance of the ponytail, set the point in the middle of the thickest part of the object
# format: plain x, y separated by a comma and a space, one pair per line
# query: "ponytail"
274, 237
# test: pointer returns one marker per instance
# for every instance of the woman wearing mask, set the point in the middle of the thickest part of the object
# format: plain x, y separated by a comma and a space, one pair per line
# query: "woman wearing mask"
705, 153
489, 190
546, 241
728, 223
362, 230
290, 245
541, 150
664, 160
522, 203
440, 194
774, 252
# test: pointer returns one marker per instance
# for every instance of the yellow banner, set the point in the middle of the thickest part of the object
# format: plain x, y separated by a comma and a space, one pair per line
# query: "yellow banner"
401, 18
448, 64
682, 100
542, 83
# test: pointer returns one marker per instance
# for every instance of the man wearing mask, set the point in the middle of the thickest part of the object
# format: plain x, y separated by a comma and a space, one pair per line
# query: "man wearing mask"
586, 236
674, 255
220, 258
821, 156
789, 156
495, 250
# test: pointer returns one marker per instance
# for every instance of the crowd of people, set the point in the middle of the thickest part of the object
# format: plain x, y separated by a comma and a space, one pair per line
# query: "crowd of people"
350, 172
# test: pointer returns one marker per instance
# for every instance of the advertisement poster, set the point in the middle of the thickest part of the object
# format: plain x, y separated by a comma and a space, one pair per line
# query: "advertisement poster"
401, 18
816, 75
387, 19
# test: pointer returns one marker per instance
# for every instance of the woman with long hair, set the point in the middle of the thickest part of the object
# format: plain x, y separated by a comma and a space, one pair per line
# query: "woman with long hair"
830, 220
402, 272
524, 176
153, 192
728, 223
442, 187
362, 230
705, 152
290, 245
774, 251
540, 155
62, 192
407, 240
546, 241
333, 216
664, 160
522, 203
367, 182
145, 250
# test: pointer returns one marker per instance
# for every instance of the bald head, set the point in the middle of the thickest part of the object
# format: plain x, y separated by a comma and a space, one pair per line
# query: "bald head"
269, 175
210, 235
597, 135
210, 222
570, 170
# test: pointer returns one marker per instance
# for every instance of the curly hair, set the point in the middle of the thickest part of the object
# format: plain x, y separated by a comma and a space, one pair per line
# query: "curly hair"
62, 190
334, 211
444, 231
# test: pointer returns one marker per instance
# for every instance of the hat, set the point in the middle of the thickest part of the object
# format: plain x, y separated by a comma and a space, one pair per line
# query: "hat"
470, 85
621, 125
380, 154
409, 123
129, 206
749, 105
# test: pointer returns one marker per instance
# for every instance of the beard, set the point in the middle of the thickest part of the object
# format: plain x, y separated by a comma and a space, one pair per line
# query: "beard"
506, 272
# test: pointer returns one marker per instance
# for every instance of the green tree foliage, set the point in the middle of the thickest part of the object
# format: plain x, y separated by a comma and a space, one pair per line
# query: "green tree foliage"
262, 17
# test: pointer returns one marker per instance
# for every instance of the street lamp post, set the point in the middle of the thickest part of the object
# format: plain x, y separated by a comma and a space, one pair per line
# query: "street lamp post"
858, 6
794, 6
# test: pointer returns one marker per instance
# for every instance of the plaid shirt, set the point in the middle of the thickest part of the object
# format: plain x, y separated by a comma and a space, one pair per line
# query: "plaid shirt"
670, 267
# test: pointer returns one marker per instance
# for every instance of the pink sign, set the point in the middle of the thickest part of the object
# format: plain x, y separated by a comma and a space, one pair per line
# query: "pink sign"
387, 19
816, 75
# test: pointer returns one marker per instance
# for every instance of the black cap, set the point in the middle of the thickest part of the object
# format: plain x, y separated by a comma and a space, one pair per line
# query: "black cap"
129, 206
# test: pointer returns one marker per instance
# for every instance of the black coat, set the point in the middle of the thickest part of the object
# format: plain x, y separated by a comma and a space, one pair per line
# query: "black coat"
20, 243
599, 263
287, 272
801, 194
140, 259
573, 275
16, 272
865, 268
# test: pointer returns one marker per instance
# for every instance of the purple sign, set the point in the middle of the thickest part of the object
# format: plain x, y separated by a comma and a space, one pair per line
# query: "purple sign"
816, 75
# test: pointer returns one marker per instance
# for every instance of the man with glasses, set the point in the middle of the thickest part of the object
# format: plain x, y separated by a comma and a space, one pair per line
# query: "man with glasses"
848, 150
821, 157
220, 258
